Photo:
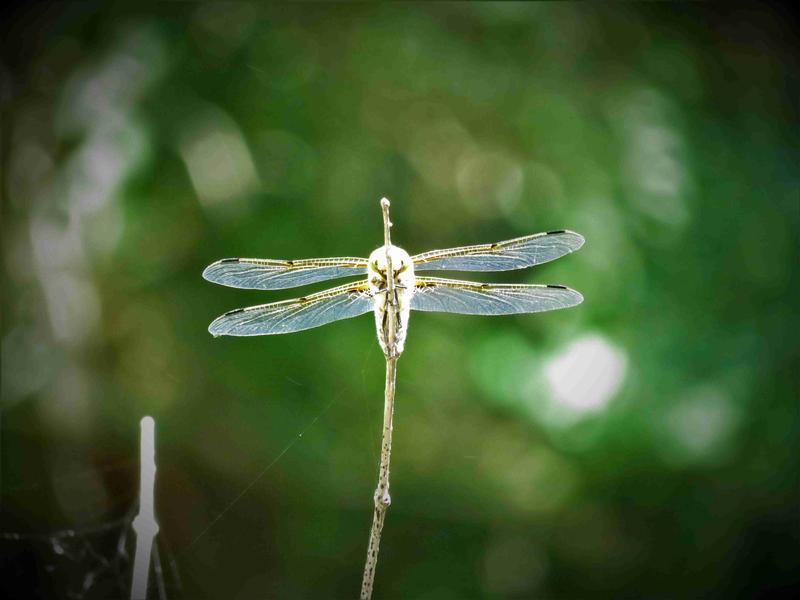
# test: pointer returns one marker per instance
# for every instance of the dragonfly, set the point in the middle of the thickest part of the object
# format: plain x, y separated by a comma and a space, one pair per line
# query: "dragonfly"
412, 292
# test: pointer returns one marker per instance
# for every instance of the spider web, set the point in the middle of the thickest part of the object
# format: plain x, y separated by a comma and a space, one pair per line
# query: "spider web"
97, 562
90, 563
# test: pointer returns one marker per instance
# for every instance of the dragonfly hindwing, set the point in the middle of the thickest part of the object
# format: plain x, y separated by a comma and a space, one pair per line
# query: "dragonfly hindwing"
469, 298
287, 316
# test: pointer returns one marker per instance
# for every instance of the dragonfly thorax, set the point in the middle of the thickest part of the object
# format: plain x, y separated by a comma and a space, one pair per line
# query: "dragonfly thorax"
403, 271
402, 267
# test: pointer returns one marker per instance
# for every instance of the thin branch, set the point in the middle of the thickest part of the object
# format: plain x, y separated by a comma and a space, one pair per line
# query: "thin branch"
382, 498
387, 224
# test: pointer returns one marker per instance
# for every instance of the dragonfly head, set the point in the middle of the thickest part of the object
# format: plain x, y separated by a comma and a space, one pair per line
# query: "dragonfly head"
402, 265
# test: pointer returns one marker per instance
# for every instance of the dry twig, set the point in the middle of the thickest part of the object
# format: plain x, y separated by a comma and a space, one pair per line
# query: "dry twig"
382, 498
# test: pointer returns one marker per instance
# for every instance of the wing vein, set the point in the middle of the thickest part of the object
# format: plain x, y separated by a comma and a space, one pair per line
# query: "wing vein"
518, 253
465, 297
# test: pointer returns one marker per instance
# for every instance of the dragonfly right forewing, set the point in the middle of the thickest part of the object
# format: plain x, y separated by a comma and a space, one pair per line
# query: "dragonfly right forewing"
518, 253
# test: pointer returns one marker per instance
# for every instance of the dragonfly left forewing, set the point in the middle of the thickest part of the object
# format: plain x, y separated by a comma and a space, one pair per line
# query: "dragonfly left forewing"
470, 298
269, 274
518, 253
287, 316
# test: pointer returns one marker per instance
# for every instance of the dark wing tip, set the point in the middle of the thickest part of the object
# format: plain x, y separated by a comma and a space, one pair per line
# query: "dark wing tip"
220, 326
575, 296
210, 272
576, 239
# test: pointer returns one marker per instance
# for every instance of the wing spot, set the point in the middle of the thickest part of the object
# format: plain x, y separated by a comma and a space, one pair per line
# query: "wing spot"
290, 263
495, 246
556, 231
558, 287
229, 260
234, 311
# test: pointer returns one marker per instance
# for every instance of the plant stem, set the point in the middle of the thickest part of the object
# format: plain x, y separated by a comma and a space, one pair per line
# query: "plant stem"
382, 498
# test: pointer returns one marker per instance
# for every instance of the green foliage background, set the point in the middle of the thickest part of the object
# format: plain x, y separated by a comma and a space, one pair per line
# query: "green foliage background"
140, 145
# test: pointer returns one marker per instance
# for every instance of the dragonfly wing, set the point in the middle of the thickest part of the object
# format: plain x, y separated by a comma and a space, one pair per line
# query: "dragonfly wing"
470, 298
266, 274
287, 316
518, 253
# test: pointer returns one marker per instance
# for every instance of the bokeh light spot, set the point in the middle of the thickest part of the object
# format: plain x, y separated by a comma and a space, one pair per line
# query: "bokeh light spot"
700, 427
586, 375
218, 160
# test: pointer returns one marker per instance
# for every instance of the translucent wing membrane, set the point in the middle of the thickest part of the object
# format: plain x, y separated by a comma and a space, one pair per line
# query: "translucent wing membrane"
343, 302
469, 298
266, 274
503, 256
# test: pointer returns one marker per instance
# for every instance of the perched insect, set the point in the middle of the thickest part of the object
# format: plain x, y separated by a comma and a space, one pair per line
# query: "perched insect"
391, 291
412, 292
